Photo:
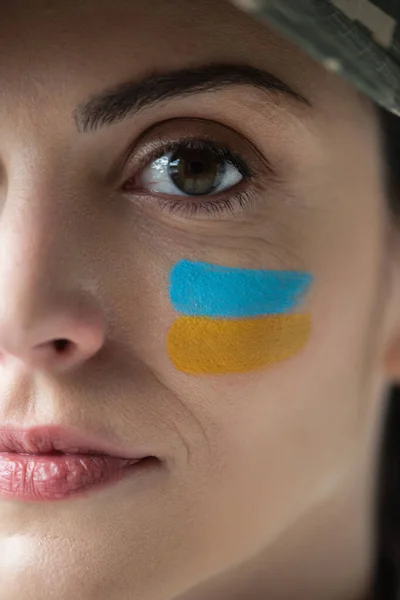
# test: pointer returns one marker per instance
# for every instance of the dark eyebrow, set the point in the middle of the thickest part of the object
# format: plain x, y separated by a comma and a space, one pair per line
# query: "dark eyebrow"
117, 102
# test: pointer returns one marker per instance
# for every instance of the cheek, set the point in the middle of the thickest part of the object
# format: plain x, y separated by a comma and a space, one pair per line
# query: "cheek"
235, 320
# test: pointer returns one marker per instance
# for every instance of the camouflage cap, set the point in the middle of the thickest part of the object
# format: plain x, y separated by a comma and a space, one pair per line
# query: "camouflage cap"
359, 39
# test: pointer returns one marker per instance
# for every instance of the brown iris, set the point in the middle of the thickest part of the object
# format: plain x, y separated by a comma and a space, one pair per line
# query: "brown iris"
196, 171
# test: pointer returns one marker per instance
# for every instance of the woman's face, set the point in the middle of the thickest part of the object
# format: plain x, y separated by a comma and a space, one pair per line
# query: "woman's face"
111, 214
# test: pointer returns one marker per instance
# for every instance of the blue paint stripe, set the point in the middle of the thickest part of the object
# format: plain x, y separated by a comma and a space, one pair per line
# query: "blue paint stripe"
202, 289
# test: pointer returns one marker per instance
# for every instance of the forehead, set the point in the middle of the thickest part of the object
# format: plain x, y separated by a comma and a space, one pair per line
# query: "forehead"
84, 45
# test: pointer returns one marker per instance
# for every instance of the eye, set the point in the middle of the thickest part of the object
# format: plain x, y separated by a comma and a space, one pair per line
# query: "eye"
192, 168
195, 168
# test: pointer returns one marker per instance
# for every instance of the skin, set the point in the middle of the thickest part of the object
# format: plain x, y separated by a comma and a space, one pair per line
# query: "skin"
267, 488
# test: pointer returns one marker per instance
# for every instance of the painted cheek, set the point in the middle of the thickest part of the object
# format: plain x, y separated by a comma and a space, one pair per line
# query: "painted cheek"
234, 319
198, 345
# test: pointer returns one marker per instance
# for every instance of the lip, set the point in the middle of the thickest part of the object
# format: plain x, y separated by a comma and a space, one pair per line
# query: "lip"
40, 478
54, 438
55, 463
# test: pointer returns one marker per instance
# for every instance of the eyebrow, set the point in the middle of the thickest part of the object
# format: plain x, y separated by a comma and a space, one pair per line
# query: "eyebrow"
124, 99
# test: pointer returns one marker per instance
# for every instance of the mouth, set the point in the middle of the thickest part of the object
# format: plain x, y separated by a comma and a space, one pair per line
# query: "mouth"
55, 463
54, 438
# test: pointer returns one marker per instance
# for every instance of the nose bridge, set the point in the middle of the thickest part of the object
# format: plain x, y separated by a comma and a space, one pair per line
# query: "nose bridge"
33, 227
42, 299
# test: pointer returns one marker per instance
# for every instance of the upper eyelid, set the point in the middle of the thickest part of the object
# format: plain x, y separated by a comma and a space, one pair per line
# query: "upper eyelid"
186, 143
249, 152
244, 169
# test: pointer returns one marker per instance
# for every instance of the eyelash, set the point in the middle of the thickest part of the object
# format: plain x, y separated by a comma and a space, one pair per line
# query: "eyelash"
211, 205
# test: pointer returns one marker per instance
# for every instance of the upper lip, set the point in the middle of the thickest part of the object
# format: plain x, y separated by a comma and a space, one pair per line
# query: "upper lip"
55, 438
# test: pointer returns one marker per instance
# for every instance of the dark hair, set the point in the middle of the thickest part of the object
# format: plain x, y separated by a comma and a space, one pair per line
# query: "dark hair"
391, 144
387, 573
386, 585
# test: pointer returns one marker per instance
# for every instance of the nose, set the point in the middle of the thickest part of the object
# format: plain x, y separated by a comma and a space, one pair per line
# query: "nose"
50, 319
44, 328
55, 339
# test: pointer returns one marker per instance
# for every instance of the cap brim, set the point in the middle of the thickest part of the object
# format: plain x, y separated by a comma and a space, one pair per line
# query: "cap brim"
367, 53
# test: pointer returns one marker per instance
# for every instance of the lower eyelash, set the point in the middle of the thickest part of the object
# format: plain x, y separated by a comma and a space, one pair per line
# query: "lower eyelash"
213, 207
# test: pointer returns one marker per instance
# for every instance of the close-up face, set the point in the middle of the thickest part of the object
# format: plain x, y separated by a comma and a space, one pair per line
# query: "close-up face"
197, 210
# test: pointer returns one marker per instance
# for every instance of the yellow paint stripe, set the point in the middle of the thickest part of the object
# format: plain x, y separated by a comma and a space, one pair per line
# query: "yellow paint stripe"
199, 345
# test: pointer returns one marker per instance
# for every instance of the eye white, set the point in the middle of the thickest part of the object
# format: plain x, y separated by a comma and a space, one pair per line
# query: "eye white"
155, 178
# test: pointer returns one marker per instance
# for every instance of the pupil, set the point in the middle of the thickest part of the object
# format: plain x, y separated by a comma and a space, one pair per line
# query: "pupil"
196, 172
196, 168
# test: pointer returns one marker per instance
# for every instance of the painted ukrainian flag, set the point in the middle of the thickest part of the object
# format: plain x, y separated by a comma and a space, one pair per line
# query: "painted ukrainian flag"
235, 320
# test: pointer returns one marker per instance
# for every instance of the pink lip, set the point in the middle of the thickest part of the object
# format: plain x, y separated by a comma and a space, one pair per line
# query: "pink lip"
53, 438
33, 477
53, 463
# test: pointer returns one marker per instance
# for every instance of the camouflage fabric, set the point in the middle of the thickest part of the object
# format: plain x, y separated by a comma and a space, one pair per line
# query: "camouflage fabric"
360, 39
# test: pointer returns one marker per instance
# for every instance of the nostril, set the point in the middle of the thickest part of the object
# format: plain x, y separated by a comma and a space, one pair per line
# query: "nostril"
61, 345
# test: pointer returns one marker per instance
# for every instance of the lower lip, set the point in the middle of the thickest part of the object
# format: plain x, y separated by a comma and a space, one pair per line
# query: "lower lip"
41, 478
